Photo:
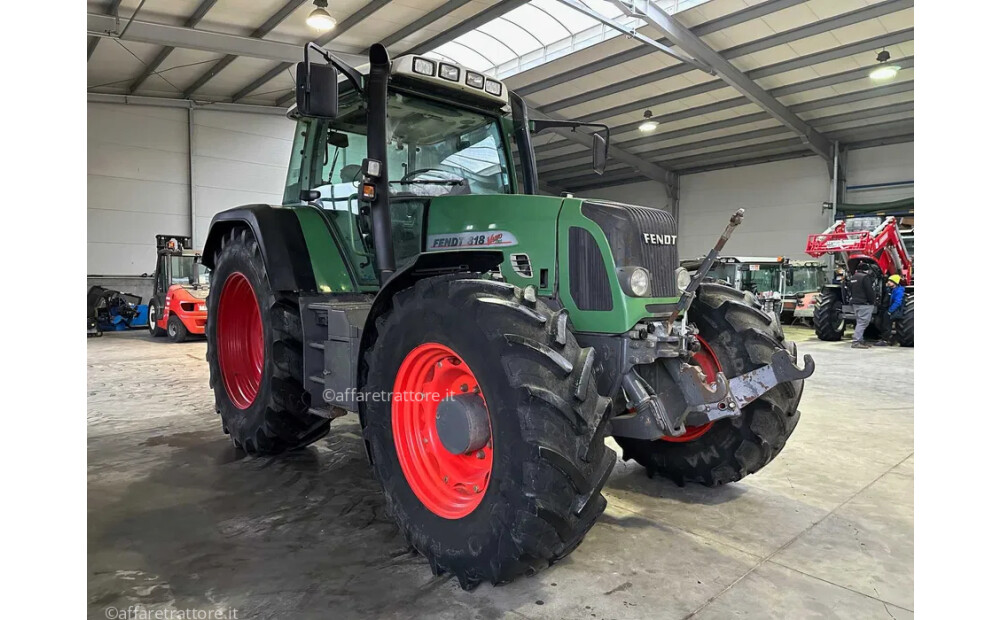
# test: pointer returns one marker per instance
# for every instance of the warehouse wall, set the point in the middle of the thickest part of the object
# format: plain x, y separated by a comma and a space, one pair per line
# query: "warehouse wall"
139, 176
783, 199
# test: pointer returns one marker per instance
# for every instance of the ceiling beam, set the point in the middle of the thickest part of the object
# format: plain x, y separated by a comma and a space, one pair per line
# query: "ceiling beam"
423, 22
756, 74
166, 102
477, 20
781, 91
151, 68
693, 45
204, 40
351, 21
788, 36
634, 33
660, 155
272, 22
454, 32
614, 60
92, 41
874, 93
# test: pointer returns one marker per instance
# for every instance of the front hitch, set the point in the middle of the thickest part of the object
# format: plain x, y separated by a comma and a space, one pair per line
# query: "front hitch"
693, 401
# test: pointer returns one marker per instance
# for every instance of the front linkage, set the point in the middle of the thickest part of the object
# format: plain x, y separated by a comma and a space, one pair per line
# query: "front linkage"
654, 413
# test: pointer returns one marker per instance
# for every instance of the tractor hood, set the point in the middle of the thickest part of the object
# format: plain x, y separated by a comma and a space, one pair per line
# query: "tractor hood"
570, 248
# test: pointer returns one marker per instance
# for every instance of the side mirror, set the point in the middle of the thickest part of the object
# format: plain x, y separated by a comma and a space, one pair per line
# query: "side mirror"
316, 89
600, 153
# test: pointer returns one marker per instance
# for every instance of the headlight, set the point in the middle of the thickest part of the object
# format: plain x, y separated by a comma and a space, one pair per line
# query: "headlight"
683, 278
634, 281
494, 88
423, 66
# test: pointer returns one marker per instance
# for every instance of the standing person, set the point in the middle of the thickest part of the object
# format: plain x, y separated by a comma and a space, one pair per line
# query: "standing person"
863, 300
897, 295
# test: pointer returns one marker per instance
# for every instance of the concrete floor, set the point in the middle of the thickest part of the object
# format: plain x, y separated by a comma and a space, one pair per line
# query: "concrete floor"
177, 518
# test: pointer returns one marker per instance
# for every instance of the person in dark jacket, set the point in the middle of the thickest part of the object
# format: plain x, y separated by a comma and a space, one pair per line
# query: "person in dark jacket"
897, 297
863, 299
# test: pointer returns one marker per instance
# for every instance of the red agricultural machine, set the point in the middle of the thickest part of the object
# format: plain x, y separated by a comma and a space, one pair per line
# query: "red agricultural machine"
883, 249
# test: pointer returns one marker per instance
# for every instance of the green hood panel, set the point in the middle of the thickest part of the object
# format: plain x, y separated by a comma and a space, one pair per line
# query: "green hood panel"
511, 224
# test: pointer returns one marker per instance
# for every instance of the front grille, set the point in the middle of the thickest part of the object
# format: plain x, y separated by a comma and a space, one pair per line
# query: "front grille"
625, 227
588, 277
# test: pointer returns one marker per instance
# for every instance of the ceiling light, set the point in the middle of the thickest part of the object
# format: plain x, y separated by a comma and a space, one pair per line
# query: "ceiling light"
649, 124
319, 19
883, 71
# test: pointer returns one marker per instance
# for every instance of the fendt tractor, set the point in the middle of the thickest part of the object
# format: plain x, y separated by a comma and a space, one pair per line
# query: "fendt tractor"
885, 252
489, 338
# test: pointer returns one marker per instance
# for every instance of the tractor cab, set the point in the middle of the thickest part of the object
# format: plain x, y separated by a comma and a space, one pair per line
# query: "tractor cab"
180, 287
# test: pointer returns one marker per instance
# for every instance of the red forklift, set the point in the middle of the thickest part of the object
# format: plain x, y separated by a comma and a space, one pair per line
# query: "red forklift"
178, 308
884, 249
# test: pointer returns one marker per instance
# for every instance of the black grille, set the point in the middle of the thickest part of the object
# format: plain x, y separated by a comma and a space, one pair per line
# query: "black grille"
588, 277
625, 227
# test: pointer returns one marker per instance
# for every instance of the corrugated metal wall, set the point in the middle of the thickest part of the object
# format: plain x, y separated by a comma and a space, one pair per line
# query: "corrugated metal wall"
138, 176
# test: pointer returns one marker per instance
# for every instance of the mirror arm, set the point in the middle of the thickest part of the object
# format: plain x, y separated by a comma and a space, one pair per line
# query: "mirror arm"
352, 74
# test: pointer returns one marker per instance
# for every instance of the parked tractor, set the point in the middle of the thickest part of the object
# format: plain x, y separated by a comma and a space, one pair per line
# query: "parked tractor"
489, 338
803, 281
883, 249
762, 276
178, 306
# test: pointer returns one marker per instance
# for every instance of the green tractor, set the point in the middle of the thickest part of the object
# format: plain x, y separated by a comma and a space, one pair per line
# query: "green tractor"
489, 338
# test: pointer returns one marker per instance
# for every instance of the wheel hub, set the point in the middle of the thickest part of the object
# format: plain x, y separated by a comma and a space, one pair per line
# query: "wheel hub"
442, 430
709, 364
463, 425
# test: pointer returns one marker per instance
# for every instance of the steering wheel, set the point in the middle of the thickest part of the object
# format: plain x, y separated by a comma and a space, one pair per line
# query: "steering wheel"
440, 172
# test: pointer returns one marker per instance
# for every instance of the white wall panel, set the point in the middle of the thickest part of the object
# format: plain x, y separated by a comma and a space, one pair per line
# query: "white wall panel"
138, 176
783, 199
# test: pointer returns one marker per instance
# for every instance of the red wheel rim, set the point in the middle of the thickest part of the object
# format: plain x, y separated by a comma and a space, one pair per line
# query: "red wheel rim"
709, 364
449, 485
240, 340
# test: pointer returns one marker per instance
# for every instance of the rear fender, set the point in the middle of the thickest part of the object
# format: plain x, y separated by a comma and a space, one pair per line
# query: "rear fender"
279, 235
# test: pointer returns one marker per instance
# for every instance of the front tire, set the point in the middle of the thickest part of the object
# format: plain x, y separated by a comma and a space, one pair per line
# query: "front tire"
547, 456
255, 354
737, 337
905, 325
828, 319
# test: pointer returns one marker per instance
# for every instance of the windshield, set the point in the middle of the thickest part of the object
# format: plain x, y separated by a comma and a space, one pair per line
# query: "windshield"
804, 279
185, 270
761, 278
433, 149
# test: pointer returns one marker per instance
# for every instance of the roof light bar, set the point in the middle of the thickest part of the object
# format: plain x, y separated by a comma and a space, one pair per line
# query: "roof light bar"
423, 66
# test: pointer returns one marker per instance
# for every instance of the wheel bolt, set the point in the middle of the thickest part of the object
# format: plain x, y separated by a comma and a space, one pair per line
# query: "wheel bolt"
480, 455
475, 390
446, 478
475, 488
464, 387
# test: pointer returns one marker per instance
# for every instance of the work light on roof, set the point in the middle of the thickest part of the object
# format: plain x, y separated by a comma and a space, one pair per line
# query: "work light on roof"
474, 80
423, 66
494, 88
448, 72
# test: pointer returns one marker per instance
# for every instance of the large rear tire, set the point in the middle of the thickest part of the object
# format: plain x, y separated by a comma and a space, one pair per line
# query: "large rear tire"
255, 354
828, 319
739, 337
533, 494
905, 325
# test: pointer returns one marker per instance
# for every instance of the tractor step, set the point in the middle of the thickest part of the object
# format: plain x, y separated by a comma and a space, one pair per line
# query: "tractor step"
331, 333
